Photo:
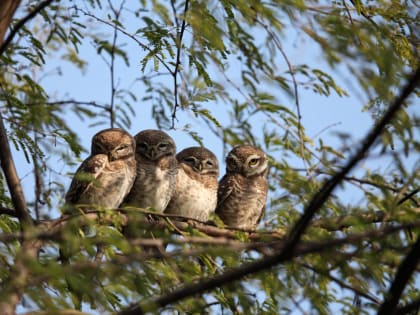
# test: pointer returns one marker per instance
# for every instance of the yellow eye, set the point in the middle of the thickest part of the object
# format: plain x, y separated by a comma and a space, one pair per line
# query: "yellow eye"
253, 162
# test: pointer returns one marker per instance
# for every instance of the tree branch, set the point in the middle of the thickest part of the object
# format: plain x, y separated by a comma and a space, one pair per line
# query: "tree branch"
21, 23
404, 272
342, 284
297, 231
7, 211
178, 60
117, 14
204, 284
407, 309
12, 178
7, 10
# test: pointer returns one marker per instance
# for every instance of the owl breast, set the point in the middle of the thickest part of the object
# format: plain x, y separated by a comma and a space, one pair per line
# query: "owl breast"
194, 198
153, 186
244, 205
112, 185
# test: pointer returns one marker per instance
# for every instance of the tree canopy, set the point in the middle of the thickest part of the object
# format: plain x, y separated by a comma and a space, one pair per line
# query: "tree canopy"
341, 231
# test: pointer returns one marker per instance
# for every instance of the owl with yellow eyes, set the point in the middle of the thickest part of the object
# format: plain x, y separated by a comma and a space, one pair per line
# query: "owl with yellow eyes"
242, 192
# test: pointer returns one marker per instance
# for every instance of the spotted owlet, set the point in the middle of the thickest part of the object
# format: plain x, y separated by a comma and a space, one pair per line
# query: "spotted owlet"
242, 192
107, 175
195, 193
156, 170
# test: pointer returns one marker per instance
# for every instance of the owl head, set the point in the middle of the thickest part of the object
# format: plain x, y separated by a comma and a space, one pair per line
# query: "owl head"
200, 160
153, 144
247, 160
114, 142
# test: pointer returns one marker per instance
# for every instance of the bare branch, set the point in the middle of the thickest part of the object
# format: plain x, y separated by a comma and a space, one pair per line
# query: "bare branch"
277, 42
409, 308
404, 273
7, 211
12, 178
117, 14
178, 59
342, 284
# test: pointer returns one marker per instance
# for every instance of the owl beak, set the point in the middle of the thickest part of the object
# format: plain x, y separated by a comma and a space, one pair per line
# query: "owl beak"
152, 154
112, 156
200, 167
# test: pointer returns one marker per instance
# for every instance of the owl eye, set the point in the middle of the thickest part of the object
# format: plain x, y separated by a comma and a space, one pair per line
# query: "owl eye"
163, 146
253, 162
122, 147
141, 147
189, 160
209, 163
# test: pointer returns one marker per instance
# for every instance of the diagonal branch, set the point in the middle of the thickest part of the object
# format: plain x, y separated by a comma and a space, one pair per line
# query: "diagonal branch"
7, 10
21, 23
322, 195
297, 231
12, 178
409, 308
404, 273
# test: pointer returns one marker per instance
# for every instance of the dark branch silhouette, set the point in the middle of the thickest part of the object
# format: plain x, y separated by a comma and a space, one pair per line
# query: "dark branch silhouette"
404, 273
21, 23
7, 10
12, 178
299, 228
178, 59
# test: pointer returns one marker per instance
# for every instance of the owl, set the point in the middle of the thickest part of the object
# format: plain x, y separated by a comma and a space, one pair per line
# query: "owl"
242, 191
156, 170
195, 193
107, 175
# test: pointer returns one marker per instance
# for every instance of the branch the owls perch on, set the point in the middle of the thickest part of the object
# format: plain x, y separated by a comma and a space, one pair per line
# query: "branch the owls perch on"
52, 229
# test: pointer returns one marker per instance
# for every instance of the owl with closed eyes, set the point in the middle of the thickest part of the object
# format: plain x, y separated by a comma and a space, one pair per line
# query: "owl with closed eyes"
107, 175
195, 193
156, 170
242, 192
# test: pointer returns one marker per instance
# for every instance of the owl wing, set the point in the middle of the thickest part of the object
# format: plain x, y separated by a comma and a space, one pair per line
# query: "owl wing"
265, 191
85, 176
226, 185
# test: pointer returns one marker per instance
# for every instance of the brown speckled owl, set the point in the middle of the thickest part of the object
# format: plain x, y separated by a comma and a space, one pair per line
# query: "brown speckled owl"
156, 170
107, 175
195, 193
242, 192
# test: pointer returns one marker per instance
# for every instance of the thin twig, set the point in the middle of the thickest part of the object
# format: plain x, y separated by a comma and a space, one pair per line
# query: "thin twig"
295, 88
112, 65
348, 12
363, 13
342, 284
132, 36
178, 59
37, 179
